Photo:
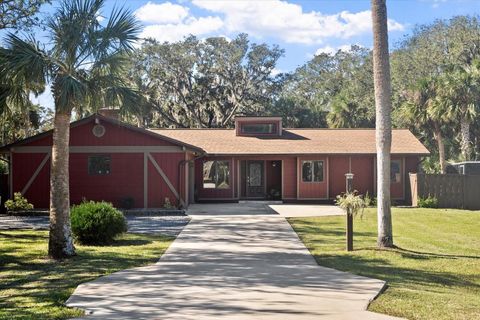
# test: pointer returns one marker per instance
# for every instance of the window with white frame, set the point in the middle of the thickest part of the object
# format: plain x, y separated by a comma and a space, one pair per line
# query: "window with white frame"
312, 171
216, 174
395, 171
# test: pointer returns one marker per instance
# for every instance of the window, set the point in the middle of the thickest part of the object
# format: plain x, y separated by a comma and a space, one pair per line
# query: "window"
216, 174
99, 165
258, 128
395, 171
312, 171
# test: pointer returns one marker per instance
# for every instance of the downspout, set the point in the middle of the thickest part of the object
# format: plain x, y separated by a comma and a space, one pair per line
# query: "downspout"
181, 165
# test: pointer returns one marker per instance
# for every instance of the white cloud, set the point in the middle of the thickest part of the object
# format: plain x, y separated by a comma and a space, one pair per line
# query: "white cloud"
173, 22
175, 32
333, 50
163, 13
288, 21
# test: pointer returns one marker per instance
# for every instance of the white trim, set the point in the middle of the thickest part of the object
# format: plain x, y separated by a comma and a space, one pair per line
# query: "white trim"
233, 176
298, 179
239, 192
312, 198
165, 178
323, 171
186, 186
265, 178
283, 189
328, 177
35, 174
10, 175
103, 149
145, 180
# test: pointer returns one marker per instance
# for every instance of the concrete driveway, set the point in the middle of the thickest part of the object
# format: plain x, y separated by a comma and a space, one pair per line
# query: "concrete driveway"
262, 208
231, 267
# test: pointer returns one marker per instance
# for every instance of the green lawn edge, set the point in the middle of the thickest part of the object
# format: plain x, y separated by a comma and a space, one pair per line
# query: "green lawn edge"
433, 274
35, 287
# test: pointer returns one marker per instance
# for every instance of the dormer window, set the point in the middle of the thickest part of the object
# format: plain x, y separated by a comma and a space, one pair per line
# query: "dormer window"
258, 126
252, 128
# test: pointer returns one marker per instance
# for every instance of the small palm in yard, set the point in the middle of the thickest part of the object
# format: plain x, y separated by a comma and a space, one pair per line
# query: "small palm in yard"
84, 65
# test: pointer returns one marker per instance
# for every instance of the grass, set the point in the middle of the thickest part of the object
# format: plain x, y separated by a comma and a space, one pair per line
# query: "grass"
35, 287
434, 273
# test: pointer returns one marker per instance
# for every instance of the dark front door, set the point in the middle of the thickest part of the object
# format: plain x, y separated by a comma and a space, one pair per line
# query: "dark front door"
255, 179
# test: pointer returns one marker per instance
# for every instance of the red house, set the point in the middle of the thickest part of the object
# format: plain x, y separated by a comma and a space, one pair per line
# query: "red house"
123, 164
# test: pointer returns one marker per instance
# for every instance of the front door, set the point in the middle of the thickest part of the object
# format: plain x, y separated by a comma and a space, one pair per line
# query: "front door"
255, 179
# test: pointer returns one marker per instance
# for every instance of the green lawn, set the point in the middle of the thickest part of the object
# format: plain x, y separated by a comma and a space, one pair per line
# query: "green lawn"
434, 273
34, 287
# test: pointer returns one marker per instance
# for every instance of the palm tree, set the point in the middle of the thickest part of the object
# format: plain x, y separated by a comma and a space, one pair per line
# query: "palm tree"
383, 103
84, 65
425, 108
460, 88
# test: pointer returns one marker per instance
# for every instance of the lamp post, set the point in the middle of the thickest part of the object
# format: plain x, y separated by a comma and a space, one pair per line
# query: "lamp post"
349, 189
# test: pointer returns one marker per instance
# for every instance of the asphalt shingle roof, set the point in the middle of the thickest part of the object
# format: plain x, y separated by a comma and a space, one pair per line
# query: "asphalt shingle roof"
294, 141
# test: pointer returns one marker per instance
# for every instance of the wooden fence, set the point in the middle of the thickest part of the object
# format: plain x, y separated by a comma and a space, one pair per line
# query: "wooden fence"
451, 190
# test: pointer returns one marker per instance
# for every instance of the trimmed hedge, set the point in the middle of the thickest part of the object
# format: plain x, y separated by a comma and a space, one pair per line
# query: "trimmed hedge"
96, 223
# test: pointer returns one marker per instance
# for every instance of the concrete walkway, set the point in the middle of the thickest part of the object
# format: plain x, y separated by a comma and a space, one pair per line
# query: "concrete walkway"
231, 267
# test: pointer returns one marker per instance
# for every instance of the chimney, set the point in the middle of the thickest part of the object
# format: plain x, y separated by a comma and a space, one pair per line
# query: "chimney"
110, 113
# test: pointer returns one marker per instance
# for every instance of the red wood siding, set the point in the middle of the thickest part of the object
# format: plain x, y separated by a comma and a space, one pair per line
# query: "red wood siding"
289, 178
127, 169
24, 166
115, 135
125, 179
157, 187
313, 190
338, 167
362, 168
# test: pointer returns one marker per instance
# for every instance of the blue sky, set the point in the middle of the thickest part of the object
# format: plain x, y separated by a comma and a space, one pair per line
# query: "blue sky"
302, 28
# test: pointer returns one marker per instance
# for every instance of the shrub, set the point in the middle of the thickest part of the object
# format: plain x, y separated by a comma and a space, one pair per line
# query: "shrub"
369, 200
96, 222
351, 202
127, 202
18, 203
428, 202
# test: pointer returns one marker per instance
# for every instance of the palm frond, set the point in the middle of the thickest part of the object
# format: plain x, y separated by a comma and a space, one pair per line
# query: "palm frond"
24, 61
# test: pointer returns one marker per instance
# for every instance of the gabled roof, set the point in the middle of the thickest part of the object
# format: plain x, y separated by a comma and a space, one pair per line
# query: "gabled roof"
87, 119
295, 141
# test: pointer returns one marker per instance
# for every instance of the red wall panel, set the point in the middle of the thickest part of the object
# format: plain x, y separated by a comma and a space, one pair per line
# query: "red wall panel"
24, 166
289, 177
125, 179
115, 135
338, 167
363, 179
158, 189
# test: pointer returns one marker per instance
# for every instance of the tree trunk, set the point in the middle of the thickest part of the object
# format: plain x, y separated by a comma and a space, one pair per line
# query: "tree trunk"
383, 103
60, 244
441, 147
465, 143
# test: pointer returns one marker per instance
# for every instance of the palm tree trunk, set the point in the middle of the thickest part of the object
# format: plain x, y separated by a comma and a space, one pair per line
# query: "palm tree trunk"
465, 144
441, 147
383, 103
60, 244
